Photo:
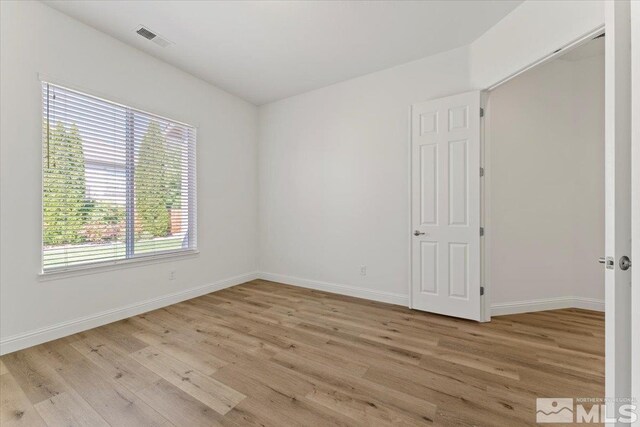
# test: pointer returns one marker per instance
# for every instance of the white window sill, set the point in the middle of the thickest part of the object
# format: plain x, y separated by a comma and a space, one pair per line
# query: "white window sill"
105, 266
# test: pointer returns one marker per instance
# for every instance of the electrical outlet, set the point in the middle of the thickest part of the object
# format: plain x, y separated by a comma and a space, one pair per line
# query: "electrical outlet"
172, 275
363, 270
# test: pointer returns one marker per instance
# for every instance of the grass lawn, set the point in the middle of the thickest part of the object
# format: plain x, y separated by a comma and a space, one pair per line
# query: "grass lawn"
70, 255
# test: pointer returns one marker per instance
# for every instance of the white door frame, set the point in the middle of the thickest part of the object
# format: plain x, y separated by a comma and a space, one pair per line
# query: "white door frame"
635, 198
618, 296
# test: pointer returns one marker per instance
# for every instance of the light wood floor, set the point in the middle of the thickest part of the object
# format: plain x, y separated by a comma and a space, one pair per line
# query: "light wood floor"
268, 354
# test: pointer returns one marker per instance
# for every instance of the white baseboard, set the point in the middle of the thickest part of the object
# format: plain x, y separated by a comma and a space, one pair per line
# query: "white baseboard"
515, 307
352, 291
49, 333
498, 309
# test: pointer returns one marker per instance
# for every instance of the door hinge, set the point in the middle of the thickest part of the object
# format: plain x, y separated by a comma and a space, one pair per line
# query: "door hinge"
481, 231
481, 290
481, 171
481, 112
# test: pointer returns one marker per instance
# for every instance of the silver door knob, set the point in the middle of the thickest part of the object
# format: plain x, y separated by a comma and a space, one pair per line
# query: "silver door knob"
602, 260
417, 233
625, 263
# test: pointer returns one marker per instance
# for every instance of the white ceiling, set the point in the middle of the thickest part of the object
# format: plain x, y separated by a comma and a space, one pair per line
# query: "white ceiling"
263, 51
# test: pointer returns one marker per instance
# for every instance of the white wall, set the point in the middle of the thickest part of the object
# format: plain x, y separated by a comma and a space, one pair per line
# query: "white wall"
546, 149
333, 174
37, 39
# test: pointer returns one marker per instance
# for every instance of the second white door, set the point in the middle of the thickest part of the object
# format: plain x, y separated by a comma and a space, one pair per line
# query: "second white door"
445, 160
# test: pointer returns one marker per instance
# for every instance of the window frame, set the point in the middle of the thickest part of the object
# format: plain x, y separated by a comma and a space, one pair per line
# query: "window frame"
130, 259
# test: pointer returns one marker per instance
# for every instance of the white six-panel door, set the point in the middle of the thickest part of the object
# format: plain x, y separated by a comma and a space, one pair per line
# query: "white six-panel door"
618, 167
445, 212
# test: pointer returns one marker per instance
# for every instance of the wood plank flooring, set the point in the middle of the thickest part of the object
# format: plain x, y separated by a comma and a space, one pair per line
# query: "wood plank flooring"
268, 354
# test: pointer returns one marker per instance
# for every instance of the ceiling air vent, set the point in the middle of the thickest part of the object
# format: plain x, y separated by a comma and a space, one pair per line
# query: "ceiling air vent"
150, 35
146, 33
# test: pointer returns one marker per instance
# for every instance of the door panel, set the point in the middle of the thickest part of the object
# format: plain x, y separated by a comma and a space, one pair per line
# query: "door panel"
429, 267
459, 270
445, 160
429, 184
458, 183
617, 201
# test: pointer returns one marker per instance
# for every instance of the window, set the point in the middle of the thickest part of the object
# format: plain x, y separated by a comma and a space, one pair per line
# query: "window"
118, 183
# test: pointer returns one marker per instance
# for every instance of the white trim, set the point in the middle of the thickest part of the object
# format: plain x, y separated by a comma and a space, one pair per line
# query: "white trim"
63, 329
515, 307
400, 299
381, 296
104, 266
635, 198
617, 190
410, 205
485, 221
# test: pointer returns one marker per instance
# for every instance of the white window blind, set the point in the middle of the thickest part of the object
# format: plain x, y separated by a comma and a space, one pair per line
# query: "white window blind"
118, 183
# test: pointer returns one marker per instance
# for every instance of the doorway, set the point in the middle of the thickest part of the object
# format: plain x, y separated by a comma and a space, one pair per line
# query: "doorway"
513, 221
544, 189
